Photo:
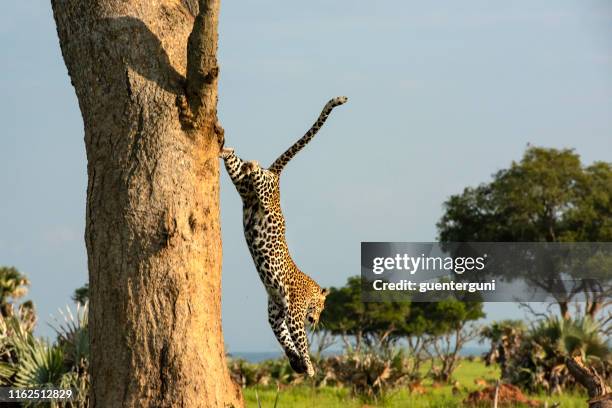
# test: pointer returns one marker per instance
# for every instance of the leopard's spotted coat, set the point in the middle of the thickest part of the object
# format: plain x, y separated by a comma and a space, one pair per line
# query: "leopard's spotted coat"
293, 297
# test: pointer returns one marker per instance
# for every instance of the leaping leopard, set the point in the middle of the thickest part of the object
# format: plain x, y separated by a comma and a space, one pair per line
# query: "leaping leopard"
293, 297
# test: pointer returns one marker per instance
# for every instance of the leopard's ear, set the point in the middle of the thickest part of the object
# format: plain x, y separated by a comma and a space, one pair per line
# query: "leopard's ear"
324, 292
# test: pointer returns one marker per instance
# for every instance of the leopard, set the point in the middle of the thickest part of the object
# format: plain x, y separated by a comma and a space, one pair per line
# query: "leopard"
294, 298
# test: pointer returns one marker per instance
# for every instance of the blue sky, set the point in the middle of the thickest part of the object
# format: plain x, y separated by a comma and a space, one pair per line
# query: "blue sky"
442, 94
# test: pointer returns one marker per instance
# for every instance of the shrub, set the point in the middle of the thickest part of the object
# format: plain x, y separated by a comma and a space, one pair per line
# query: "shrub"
27, 361
535, 359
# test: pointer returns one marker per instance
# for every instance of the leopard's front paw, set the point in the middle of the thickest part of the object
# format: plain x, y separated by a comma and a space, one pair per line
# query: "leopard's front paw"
250, 166
226, 152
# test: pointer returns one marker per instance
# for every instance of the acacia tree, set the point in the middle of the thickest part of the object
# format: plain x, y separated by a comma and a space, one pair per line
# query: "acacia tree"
145, 74
549, 196
449, 324
376, 325
432, 330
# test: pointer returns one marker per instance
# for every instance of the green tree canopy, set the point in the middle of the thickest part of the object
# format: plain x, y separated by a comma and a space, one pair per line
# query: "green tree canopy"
376, 324
549, 196
445, 316
346, 314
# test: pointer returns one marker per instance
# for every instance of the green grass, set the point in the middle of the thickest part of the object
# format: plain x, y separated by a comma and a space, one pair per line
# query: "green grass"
304, 396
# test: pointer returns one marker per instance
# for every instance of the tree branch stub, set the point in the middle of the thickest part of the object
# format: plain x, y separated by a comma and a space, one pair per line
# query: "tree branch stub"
202, 66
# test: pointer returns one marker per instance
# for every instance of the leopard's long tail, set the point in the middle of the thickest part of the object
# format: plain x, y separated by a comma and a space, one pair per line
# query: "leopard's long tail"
279, 163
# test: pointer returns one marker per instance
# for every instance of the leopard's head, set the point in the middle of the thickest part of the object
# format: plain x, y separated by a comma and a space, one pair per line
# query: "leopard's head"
316, 306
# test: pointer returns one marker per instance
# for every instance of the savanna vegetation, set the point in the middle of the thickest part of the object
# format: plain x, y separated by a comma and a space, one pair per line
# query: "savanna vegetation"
401, 354
410, 355
384, 369
28, 361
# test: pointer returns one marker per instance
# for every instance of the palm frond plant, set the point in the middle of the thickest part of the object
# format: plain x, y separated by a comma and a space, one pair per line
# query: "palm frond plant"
13, 285
72, 332
73, 335
40, 364
15, 337
27, 361
539, 363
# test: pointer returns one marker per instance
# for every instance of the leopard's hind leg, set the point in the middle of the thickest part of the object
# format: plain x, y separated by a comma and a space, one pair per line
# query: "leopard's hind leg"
295, 323
276, 318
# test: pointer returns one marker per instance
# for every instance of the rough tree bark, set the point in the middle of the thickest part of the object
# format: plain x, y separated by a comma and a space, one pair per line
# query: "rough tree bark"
152, 233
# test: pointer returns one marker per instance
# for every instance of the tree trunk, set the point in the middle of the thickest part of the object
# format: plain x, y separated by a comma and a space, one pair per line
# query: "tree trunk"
564, 310
593, 308
152, 220
600, 393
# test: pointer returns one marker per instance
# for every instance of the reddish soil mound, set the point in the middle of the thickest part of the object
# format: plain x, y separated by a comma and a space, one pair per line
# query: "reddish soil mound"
508, 395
